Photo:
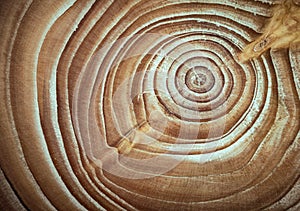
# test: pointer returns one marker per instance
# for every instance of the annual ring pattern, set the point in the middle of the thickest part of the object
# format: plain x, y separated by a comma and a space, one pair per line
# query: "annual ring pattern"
146, 105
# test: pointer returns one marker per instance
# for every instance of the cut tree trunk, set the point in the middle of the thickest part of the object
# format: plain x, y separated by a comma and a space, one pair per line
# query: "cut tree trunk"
149, 105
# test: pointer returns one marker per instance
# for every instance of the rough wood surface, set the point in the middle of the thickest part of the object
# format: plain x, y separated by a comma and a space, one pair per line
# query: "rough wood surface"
149, 105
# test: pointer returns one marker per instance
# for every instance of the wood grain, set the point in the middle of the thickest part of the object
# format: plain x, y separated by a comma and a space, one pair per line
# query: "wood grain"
149, 105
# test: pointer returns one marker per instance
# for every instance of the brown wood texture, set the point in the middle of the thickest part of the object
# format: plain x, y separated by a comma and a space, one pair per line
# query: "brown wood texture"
149, 105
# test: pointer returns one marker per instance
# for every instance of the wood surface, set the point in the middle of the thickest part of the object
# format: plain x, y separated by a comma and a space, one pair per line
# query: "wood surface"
149, 105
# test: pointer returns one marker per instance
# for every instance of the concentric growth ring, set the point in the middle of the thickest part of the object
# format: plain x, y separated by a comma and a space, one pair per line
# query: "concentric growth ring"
144, 105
